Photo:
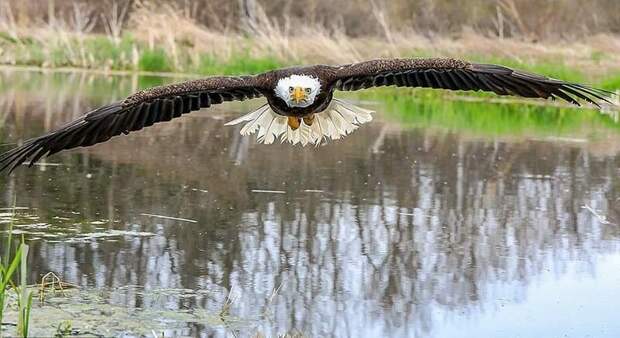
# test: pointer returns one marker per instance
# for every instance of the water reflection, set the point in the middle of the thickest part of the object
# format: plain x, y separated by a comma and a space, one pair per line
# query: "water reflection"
388, 233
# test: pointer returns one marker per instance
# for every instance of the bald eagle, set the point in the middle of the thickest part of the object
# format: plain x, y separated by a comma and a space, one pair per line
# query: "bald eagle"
300, 106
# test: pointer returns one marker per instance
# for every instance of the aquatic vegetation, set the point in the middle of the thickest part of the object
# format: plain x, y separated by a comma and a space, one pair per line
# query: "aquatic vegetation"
9, 263
51, 283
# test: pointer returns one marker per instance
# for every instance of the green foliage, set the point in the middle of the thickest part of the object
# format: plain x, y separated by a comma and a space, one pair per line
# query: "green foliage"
57, 57
37, 56
551, 68
102, 52
64, 329
155, 60
598, 56
426, 108
24, 297
236, 64
611, 83
117, 56
8, 267
5, 36
103, 49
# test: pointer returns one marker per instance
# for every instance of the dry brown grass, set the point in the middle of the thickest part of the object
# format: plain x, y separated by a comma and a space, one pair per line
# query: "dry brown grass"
532, 19
185, 34
169, 26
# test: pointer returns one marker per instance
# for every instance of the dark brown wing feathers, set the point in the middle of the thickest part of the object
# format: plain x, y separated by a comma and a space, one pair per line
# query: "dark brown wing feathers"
139, 110
233, 87
459, 75
164, 103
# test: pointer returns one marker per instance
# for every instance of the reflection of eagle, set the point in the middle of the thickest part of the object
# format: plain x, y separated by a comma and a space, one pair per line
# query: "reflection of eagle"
300, 106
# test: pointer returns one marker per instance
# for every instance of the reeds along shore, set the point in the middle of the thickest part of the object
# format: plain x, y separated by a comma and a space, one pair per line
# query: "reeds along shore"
530, 19
232, 37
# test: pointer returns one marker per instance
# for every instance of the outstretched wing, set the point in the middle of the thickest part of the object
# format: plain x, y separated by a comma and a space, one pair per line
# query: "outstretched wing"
460, 75
142, 109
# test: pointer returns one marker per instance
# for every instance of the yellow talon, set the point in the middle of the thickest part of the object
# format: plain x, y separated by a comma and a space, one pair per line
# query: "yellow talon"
308, 120
294, 122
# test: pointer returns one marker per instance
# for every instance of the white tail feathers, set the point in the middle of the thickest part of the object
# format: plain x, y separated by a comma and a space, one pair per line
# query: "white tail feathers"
339, 119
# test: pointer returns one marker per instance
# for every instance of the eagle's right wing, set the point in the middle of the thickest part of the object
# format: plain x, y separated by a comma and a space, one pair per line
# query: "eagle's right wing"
460, 75
137, 111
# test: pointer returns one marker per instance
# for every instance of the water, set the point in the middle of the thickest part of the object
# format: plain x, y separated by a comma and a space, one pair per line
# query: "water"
407, 228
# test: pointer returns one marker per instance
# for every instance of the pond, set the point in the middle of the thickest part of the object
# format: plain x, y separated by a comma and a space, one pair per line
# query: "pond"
447, 216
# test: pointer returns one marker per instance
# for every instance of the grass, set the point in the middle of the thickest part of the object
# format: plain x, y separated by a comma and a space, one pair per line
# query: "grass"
155, 60
237, 64
557, 69
9, 263
611, 82
129, 55
484, 116
99, 52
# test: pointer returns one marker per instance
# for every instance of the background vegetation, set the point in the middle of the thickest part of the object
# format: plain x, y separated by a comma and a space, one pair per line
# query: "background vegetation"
532, 19
248, 36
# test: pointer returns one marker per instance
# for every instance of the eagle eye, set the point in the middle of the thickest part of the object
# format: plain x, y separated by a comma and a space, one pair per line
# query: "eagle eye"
291, 89
308, 90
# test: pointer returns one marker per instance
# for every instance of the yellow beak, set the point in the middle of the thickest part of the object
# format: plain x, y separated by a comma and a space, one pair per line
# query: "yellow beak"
299, 95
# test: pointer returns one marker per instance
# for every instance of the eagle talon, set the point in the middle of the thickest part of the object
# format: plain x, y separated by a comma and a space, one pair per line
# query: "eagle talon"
294, 122
308, 120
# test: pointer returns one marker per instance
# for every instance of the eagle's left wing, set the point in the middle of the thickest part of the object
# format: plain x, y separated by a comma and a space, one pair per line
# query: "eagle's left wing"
140, 110
460, 75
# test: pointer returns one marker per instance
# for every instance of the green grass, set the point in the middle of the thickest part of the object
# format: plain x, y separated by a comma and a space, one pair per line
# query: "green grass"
598, 56
237, 64
9, 263
611, 83
155, 60
432, 109
117, 57
552, 68
5, 36
99, 52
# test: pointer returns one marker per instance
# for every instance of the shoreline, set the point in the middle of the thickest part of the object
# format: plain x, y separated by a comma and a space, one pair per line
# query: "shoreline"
202, 52
5, 67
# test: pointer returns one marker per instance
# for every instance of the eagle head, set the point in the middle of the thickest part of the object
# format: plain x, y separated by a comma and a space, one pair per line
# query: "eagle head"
298, 90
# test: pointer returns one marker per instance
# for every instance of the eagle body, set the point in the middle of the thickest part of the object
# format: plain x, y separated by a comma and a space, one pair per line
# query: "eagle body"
323, 73
300, 105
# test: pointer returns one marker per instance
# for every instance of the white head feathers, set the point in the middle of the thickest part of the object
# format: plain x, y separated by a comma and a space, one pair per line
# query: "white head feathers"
309, 84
